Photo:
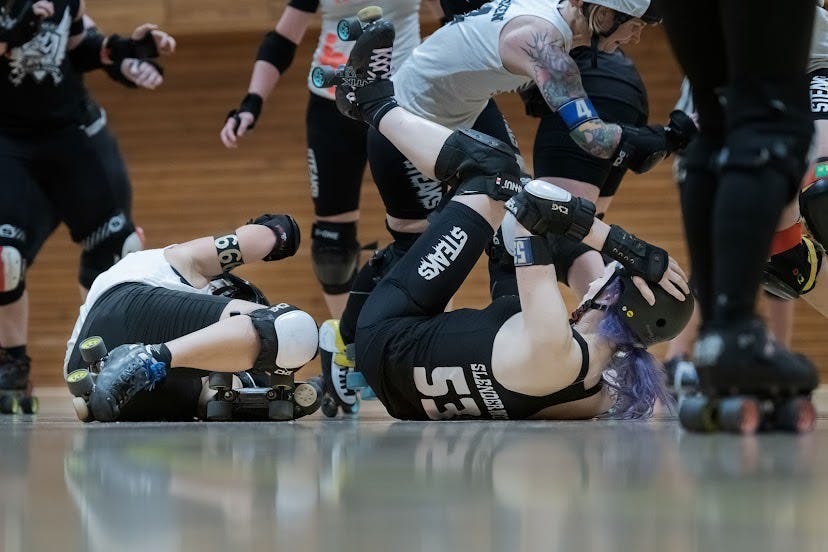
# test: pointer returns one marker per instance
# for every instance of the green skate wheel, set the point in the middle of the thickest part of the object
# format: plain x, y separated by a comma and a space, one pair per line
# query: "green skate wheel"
220, 380
306, 396
80, 382
797, 414
696, 414
219, 411
349, 29
92, 349
81, 409
9, 404
29, 405
369, 14
740, 415
280, 410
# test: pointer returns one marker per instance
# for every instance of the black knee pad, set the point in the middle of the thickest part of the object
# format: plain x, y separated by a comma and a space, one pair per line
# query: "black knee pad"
476, 163
107, 245
813, 204
335, 255
770, 129
793, 272
12, 264
288, 338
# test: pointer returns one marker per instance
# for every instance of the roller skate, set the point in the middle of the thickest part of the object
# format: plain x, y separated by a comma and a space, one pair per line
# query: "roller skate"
364, 91
336, 366
112, 379
15, 387
682, 379
281, 400
749, 383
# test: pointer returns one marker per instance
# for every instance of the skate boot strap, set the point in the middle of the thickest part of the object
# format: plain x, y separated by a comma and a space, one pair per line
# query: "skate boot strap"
375, 91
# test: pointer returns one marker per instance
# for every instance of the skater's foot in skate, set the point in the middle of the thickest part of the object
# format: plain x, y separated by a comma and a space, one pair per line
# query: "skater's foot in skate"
15, 387
127, 370
366, 93
742, 358
335, 368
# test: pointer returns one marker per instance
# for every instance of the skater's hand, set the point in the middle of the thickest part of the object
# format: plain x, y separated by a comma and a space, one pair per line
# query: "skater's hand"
230, 133
673, 282
164, 43
44, 9
142, 73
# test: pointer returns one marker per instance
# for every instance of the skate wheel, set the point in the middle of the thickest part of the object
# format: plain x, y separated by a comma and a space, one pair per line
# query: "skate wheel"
80, 382
220, 380
797, 414
349, 29
29, 405
219, 411
280, 410
9, 404
695, 414
351, 408
740, 415
325, 77
369, 14
92, 349
329, 407
81, 409
305, 395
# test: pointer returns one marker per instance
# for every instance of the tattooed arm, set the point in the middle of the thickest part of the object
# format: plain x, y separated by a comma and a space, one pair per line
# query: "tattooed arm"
536, 51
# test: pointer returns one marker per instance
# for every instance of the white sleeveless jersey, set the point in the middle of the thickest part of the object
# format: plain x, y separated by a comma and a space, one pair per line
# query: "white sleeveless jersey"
451, 76
147, 267
332, 52
819, 42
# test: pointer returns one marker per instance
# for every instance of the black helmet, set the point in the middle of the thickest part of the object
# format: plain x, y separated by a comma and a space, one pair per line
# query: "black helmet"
234, 287
649, 323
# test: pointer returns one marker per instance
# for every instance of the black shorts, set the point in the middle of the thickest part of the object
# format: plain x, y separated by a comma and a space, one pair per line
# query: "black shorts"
819, 94
139, 313
617, 92
405, 191
337, 154
62, 176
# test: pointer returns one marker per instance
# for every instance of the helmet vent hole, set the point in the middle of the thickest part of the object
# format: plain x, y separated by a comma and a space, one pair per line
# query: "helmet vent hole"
661, 322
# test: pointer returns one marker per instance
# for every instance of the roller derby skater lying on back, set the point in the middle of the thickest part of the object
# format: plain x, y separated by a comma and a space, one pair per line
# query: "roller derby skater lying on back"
520, 357
173, 315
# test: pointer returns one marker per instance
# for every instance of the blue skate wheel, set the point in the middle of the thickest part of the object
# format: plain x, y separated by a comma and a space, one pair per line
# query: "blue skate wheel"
696, 414
740, 415
349, 29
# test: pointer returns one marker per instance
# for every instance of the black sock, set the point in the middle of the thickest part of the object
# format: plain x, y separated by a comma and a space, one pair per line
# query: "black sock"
16, 352
161, 353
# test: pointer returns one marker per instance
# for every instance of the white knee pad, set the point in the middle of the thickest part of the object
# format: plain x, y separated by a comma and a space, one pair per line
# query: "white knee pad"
13, 267
298, 339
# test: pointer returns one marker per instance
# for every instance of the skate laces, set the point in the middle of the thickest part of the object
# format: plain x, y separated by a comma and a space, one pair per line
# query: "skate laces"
380, 65
128, 381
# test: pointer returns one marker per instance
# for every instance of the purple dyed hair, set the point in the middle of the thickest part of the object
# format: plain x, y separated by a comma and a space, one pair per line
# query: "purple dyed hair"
638, 379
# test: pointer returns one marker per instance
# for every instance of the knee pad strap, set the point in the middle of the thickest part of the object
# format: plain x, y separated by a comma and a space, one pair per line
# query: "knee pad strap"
108, 244
288, 338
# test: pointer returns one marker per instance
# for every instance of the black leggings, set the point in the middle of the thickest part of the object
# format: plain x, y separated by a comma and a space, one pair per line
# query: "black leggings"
753, 54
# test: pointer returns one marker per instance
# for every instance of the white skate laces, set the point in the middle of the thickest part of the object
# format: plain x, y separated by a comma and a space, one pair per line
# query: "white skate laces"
380, 65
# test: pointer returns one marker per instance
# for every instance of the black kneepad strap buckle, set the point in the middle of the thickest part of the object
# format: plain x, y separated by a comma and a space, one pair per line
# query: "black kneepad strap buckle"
637, 256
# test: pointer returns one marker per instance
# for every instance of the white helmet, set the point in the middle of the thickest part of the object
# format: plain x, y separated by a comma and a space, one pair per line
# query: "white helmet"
635, 8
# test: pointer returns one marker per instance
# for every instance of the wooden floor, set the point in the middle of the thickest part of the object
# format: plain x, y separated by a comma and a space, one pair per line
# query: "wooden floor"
186, 184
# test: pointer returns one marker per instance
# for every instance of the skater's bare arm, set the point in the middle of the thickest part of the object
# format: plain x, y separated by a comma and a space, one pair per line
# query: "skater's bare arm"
535, 49
291, 27
197, 260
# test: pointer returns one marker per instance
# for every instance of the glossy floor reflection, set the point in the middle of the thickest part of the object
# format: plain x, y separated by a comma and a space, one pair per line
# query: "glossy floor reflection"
377, 484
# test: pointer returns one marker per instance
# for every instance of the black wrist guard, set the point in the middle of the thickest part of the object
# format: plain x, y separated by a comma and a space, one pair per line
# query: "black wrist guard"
641, 148
287, 234
533, 250
680, 131
277, 50
639, 257
572, 217
19, 27
119, 48
87, 55
252, 103
114, 72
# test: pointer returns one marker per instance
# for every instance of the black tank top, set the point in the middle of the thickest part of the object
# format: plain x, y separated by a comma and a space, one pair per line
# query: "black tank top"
39, 88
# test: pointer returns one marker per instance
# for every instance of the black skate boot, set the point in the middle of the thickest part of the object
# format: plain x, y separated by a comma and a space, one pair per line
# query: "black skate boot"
748, 382
335, 369
15, 387
363, 89
127, 370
